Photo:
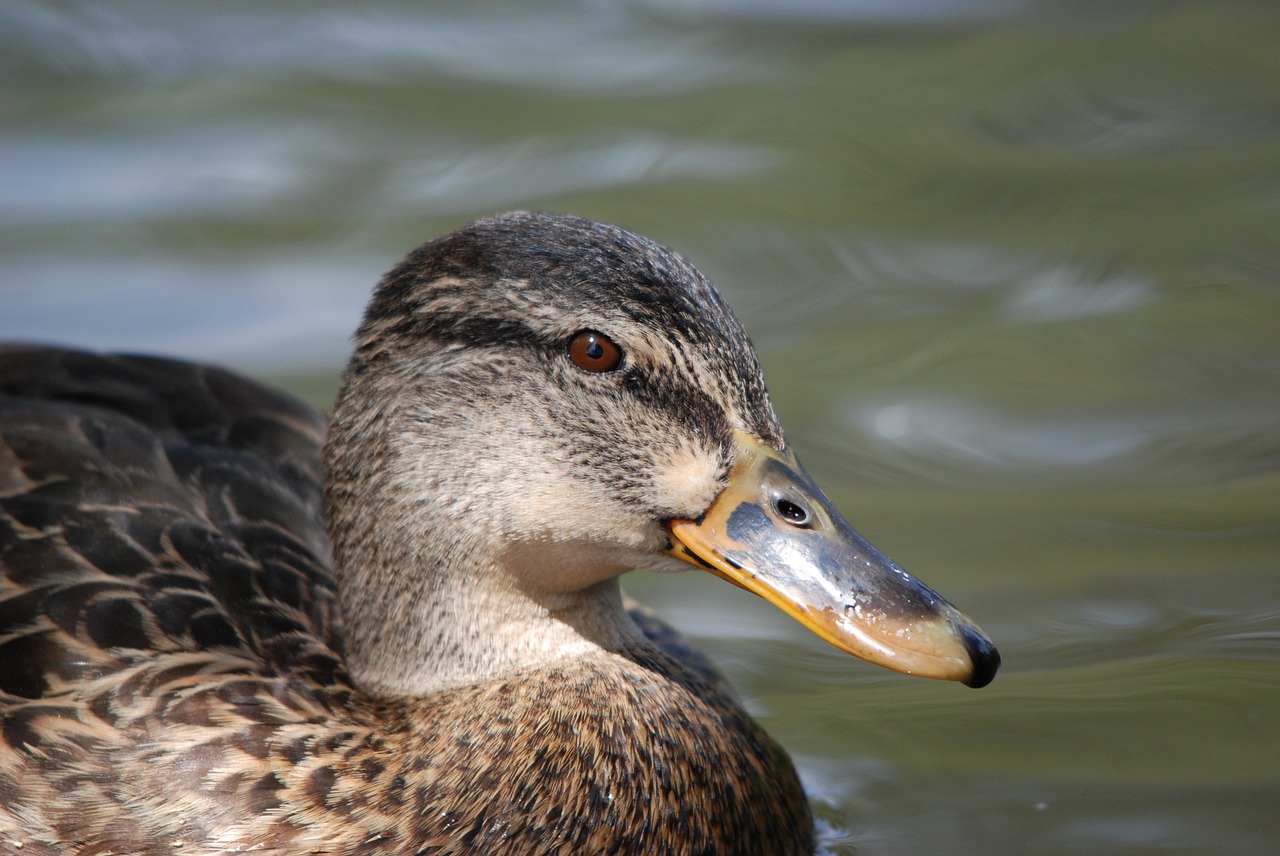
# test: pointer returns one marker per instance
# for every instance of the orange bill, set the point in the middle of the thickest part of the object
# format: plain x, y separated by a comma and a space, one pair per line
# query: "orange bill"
773, 532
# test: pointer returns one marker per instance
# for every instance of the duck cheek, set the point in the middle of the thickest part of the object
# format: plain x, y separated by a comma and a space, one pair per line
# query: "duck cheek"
687, 477
541, 568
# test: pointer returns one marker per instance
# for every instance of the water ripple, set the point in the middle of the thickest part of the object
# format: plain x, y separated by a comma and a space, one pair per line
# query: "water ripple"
560, 46
1134, 446
1117, 122
511, 175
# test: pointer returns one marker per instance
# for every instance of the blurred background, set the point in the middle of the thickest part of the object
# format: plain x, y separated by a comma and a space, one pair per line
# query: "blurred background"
1013, 269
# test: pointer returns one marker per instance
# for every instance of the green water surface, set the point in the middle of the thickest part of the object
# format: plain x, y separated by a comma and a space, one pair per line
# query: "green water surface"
1013, 270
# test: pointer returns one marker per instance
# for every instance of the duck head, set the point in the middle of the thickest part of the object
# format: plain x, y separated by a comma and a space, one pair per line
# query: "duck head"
537, 404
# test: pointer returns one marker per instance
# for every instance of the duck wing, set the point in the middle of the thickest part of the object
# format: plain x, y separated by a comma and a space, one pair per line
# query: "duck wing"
150, 507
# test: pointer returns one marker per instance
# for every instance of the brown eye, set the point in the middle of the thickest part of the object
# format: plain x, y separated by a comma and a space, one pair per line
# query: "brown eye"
594, 352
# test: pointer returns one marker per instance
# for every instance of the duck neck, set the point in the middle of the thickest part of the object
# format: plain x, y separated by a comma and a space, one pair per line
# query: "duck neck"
471, 630
429, 603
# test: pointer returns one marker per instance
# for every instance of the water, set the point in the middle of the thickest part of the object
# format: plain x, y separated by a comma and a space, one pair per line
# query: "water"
1012, 268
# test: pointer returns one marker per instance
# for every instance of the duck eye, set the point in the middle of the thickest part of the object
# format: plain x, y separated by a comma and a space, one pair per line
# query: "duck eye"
594, 352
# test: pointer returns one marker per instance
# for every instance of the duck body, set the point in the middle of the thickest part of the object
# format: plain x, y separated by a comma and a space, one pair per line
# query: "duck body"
223, 631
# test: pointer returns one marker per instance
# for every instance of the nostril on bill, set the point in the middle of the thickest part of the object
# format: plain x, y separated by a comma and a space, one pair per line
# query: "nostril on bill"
792, 513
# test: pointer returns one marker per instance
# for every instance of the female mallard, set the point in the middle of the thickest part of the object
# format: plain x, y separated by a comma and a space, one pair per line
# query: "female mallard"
535, 405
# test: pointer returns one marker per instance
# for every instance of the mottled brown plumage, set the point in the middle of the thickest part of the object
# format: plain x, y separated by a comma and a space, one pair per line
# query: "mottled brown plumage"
171, 660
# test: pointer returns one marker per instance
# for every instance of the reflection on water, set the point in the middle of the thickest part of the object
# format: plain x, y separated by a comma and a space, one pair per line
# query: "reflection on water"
1011, 267
532, 169
1114, 123
1114, 447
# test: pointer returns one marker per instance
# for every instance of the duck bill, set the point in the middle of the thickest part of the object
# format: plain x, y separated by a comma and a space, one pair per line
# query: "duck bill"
774, 533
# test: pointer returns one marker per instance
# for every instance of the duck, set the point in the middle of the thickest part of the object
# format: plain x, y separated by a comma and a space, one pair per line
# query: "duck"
229, 625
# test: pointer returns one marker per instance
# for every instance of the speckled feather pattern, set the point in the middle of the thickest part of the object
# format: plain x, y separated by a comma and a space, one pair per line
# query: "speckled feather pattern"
173, 670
